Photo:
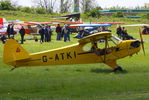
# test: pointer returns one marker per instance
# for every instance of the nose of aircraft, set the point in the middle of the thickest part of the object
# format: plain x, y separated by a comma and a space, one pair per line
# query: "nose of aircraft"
135, 44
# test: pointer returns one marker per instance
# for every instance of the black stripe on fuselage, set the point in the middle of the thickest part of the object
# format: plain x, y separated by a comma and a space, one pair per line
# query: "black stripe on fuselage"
34, 59
84, 53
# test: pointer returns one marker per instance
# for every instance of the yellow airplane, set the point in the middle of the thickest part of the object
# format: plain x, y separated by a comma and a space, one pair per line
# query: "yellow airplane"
101, 47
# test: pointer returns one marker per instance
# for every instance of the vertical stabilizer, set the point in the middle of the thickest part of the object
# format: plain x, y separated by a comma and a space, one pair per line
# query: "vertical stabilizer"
13, 52
3, 22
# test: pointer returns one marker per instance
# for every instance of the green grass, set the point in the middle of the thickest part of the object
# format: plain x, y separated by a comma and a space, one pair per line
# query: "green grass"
76, 82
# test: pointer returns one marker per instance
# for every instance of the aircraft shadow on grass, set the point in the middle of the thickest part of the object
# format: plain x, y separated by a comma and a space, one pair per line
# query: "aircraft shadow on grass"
97, 70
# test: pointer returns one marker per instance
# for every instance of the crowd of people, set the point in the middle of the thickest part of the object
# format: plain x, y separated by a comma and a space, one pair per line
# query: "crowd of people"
62, 33
45, 32
10, 33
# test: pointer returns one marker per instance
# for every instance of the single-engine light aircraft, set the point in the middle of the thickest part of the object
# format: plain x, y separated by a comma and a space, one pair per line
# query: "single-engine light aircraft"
97, 48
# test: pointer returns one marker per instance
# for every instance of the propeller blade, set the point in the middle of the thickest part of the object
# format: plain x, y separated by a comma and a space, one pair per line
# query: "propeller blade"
106, 46
142, 42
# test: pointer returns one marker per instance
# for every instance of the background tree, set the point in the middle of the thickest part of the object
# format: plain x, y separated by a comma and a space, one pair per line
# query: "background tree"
94, 12
6, 5
87, 5
40, 11
65, 6
118, 14
48, 5
146, 16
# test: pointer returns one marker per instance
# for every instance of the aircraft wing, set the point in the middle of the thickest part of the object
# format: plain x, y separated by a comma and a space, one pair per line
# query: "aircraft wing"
46, 23
135, 25
112, 23
69, 15
32, 23
67, 22
90, 25
95, 37
38, 23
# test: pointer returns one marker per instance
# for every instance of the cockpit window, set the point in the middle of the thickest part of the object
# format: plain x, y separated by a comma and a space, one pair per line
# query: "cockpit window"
101, 44
87, 47
113, 41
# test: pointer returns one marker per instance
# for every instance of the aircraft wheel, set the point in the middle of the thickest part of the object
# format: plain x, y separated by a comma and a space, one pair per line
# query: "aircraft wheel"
118, 69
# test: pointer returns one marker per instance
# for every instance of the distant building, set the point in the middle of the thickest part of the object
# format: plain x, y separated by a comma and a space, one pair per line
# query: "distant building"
125, 11
76, 5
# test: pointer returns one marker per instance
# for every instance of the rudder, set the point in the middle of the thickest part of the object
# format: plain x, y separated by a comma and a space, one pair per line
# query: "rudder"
13, 52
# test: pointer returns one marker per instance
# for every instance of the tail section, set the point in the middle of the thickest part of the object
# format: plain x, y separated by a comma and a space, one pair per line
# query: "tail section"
13, 52
3, 22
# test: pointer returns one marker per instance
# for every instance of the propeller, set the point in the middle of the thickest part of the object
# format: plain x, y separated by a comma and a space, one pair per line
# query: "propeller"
106, 46
142, 42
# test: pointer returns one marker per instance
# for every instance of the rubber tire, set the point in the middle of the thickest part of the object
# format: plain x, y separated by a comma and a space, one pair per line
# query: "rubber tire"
118, 69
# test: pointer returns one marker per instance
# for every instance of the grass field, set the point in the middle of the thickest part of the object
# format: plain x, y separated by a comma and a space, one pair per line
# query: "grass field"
76, 82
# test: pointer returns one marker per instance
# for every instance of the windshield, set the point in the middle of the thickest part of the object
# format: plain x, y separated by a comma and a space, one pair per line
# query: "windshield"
115, 38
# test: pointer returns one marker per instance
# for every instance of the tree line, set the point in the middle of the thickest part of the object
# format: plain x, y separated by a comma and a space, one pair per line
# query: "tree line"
49, 6
89, 7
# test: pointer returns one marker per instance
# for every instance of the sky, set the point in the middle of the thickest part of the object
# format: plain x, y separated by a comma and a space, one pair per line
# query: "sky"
102, 3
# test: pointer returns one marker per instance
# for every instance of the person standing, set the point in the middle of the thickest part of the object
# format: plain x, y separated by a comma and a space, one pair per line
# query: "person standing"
12, 31
22, 33
58, 31
8, 31
42, 32
50, 33
46, 34
66, 33
62, 33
